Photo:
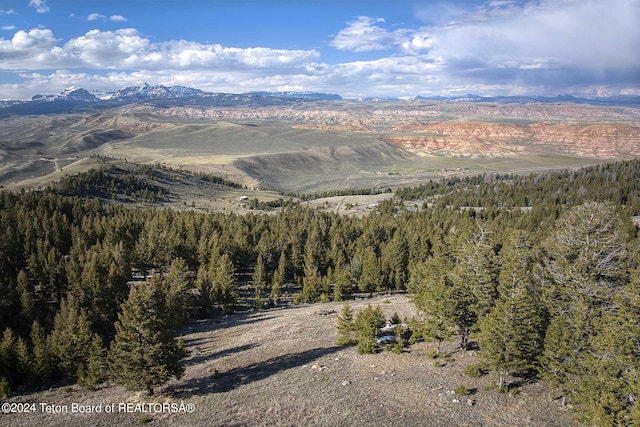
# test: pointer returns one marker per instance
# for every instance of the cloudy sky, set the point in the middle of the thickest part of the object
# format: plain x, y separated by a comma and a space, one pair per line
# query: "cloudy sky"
350, 47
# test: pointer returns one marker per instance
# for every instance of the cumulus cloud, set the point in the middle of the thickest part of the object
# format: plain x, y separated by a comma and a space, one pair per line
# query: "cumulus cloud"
544, 43
582, 47
26, 43
590, 34
364, 34
535, 44
128, 49
39, 5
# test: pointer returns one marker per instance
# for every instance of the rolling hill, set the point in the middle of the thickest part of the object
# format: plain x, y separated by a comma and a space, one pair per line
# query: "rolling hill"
307, 143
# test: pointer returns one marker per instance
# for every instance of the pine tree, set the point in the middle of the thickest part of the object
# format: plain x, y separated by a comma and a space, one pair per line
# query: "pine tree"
613, 363
278, 280
25, 291
346, 327
98, 283
367, 323
511, 335
177, 287
585, 265
395, 259
477, 271
96, 367
42, 363
25, 361
224, 283
342, 287
586, 259
311, 287
144, 354
70, 339
445, 302
9, 364
205, 291
371, 278
259, 279
435, 297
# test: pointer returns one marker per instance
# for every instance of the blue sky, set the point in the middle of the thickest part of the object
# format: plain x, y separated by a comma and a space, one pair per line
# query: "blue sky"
354, 48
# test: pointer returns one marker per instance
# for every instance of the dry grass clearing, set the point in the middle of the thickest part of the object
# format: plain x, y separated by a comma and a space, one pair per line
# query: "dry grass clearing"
281, 367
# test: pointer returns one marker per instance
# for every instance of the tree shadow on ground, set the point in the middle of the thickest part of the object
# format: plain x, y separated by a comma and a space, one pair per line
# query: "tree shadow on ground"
200, 356
237, 377
228, 321
524, 378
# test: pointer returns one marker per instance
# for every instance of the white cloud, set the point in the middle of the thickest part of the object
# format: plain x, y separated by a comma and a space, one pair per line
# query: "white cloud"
545, 44
39, 5
582, 47
117, 18
8, 27
34, 41
126, 48
7, 12
364, 35
103, 49
96, 17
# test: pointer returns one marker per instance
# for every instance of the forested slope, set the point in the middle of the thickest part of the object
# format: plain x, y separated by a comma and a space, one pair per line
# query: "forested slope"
541, 270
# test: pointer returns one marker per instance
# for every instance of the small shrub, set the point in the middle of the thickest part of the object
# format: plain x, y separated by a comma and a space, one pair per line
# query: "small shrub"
474, 371
386, 301
432, 354
494, 386
461, 390
324, 298
4, 387
145, 420
437, 364
395, 319
295, 299
366, 346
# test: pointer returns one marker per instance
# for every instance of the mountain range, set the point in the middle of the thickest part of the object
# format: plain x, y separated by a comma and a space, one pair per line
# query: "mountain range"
75, 97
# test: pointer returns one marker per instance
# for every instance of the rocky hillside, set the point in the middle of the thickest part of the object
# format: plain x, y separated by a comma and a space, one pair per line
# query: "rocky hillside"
598, 140
287, 145
465, 129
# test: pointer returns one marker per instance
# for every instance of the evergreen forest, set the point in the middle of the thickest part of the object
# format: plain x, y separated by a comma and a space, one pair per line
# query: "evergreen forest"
541, 272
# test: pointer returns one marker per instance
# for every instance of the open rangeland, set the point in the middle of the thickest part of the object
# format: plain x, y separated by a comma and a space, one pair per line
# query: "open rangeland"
319, 146
281, 367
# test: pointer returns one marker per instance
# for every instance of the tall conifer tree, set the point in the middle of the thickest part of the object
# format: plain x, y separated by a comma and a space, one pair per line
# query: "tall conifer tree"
511, 335
144, 354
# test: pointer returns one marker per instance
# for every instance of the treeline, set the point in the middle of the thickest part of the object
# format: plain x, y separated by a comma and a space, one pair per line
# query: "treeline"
132, 182
562, 304
610, 182
110, 183
553, 289
269, 205
344, 192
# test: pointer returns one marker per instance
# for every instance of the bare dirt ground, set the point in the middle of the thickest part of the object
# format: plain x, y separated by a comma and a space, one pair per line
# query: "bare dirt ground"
281, 367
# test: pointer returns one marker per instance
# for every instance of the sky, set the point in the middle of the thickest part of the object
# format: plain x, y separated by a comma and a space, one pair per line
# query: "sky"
355, 48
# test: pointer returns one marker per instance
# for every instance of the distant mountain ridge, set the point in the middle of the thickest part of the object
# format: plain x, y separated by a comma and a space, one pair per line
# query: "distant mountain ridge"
76, 97
148, 92
612, 100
